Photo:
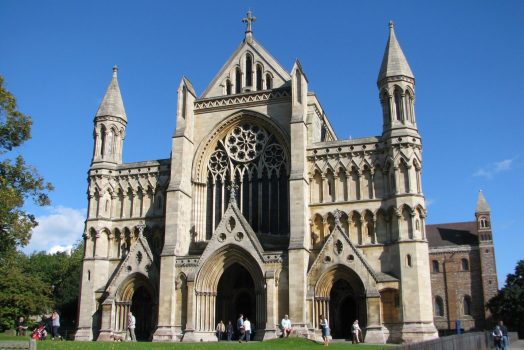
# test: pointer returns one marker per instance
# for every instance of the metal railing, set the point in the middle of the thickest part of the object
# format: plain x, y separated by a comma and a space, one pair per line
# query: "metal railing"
467, 341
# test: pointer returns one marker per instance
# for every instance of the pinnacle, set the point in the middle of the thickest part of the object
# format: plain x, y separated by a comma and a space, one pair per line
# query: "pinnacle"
112, 104
394, 62
482, 204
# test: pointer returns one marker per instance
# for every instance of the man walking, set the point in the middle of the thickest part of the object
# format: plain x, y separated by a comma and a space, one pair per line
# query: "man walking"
131, 324
241, 329
247, 328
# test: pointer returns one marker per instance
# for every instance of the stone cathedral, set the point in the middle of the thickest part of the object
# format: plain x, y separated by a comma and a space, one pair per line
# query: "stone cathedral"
260, 210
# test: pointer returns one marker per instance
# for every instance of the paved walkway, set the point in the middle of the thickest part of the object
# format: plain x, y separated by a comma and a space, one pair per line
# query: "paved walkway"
517, 345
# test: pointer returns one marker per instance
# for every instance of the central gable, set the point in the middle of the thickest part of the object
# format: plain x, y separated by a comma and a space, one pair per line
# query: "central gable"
250, 68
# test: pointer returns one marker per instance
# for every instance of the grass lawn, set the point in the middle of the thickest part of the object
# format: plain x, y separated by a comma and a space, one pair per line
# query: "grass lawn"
276, 344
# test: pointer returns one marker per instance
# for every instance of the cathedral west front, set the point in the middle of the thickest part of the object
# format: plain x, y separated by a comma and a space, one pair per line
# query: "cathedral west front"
260, 210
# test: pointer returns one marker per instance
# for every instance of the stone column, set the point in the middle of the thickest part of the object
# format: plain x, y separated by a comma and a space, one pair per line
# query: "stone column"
165, 330
105, 327
374, 331
271, 311
189, 334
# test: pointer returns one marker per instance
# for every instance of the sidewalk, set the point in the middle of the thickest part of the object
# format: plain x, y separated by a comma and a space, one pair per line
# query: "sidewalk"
518, 345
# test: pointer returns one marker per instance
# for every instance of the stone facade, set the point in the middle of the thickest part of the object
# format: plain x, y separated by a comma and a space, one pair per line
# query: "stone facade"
260, 210
463, 271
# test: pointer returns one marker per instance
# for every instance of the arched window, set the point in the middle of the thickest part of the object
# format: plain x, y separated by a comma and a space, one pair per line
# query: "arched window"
484, 223
253, 159
103, 145
435, 266
269, 81
298, 82
249, 71
238, 80
110, 139
409, 107
465, 264
466, 306
228, 87
386, 111
259, 77
408, 261
399, 110
439, 307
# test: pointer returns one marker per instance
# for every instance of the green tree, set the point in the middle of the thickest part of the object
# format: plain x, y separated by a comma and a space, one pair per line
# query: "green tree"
18, 180
61, 274
21, 293
508, 304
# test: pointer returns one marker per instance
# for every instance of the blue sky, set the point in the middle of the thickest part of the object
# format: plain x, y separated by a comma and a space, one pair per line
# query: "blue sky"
466, 56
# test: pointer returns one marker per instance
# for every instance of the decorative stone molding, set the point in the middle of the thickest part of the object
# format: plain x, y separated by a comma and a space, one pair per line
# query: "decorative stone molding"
242, 100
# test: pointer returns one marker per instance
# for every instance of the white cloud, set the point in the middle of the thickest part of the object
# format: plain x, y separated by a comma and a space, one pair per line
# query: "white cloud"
57, 231
59, 249
497, 167
430, 201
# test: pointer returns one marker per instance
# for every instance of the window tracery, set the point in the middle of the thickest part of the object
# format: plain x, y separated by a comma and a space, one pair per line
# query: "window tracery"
252, 158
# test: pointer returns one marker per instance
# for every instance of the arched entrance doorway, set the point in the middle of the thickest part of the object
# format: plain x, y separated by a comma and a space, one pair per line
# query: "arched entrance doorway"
342, 308
235, 295
141, 307
340, 294
138, 296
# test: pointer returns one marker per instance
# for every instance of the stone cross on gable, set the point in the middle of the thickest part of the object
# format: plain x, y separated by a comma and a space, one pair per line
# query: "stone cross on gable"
141, 228
249, 19
233, 192
337, 214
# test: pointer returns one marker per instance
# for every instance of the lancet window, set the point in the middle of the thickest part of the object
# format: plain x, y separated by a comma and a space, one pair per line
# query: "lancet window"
252, 162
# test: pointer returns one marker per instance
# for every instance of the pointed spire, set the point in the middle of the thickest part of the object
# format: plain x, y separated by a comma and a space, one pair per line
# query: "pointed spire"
482, 204
394, 62
112, 104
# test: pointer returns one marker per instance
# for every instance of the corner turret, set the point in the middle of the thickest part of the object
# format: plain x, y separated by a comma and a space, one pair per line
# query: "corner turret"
110, 126
396, 84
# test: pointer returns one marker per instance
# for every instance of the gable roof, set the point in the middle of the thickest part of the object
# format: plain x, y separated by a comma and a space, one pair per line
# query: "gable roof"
260, 55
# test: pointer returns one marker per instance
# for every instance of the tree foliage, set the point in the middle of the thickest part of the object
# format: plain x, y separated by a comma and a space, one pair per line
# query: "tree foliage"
508, 304
21, 293
61, 272
18, 181
36, 284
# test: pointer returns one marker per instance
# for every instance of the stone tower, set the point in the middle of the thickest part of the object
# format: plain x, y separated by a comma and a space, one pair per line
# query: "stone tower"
109, 132
487, 251
110, 126
396, 84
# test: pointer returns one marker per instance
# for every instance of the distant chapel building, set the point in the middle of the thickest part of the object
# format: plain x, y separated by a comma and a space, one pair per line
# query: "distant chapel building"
261, 210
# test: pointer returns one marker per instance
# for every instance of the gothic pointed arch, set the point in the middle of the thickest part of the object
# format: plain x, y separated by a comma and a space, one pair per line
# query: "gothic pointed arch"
251, 152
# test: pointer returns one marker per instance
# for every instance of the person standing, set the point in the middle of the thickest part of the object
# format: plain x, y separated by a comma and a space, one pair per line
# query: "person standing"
131, 325
286, 326
55, 324
229, 331
505, 339
355, 332
221, 328
20, 326
497, 338
324, 325
247, 328
240, 328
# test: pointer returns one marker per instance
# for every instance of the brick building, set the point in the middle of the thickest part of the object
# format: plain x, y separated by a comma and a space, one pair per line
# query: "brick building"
463, 271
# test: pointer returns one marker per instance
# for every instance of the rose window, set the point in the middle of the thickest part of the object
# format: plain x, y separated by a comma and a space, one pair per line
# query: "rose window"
253, 160
245, 142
